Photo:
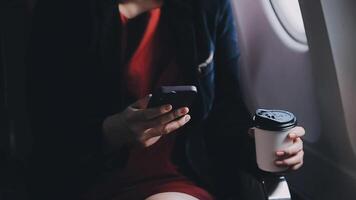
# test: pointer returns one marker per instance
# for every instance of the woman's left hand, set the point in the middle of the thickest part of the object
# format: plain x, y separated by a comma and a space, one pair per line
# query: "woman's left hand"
293, 156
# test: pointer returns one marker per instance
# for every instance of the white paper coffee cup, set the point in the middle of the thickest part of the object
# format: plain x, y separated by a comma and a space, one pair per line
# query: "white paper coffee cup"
272, 128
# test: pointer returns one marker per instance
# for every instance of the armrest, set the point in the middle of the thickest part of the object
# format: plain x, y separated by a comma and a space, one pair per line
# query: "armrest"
276, 188
258, 185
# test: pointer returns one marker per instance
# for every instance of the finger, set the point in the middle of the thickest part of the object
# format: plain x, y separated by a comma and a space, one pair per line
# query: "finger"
291, 161
291, 150
151, 113
142, 103
164, 119
296, 132
176, 124
170, 127
297, 166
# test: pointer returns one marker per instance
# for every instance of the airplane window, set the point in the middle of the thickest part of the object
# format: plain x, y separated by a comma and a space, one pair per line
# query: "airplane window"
290, 16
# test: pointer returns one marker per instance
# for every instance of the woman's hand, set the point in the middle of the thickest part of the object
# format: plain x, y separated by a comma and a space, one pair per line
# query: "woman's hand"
293, 156
144, 126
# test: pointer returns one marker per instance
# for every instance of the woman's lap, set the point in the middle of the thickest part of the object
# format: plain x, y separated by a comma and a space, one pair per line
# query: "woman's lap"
171, 196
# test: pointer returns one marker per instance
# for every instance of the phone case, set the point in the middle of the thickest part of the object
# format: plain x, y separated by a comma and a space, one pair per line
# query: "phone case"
177, 96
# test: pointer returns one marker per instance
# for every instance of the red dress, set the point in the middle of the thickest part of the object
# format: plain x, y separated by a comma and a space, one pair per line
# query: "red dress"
150, 62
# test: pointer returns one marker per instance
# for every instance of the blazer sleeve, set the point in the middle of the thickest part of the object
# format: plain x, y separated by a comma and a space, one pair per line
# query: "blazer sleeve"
230, 119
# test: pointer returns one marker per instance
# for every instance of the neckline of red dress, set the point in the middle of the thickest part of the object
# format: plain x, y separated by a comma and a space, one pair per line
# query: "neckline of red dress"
153, 12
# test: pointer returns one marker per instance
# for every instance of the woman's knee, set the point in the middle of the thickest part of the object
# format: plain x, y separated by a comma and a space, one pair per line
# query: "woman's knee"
171, 196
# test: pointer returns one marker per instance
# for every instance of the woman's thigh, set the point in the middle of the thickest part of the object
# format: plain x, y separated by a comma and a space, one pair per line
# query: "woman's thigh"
171, 196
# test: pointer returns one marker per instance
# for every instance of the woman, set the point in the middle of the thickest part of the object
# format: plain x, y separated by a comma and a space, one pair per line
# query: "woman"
93, 66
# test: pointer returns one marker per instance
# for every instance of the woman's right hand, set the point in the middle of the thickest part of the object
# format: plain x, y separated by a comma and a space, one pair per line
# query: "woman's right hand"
138, 124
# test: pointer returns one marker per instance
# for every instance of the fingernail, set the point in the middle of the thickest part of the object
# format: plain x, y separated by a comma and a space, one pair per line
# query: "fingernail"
167, 107
187, 118
280, 153
279, 162
184, 110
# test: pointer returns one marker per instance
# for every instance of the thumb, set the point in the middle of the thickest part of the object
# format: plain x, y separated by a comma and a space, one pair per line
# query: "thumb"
142, 103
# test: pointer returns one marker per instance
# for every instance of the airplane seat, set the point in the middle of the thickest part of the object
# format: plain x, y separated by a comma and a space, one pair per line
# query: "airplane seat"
14, 144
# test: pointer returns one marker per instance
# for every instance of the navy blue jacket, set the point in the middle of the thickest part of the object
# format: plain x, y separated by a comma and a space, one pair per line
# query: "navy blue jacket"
74, 83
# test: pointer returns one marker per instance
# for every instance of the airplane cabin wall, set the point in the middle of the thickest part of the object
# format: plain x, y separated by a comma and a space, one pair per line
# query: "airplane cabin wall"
279, 72
340, 18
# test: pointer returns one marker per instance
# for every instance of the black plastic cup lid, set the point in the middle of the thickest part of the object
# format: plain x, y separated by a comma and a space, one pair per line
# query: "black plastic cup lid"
274, 120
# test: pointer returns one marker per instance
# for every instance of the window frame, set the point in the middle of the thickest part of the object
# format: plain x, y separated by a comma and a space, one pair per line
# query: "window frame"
296, 32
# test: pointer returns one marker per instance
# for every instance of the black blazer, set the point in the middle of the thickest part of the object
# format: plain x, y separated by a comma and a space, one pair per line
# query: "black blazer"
74, 83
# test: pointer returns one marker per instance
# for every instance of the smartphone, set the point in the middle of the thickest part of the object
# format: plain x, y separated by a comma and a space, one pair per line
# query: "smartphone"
177, 96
